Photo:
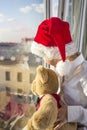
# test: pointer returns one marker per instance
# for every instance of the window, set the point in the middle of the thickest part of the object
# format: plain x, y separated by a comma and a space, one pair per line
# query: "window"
7, 89
31, 77
19, 21
19, 77
7, 75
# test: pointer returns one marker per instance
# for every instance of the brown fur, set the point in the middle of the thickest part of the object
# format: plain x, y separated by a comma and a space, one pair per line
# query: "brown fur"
46, 83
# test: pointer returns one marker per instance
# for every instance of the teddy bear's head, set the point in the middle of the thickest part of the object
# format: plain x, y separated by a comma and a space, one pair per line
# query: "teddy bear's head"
46, 81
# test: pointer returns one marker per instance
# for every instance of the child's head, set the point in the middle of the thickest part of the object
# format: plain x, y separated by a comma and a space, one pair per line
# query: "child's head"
53, 41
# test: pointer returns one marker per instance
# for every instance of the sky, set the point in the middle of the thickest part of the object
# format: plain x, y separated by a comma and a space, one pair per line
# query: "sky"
20, 18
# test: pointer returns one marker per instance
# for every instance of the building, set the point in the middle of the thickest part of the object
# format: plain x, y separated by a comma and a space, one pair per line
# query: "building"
15, 73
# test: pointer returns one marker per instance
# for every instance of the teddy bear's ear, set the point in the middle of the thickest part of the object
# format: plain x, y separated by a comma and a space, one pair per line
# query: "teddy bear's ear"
43, 74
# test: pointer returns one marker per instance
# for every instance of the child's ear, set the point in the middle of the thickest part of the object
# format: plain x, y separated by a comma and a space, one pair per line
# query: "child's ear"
43, 74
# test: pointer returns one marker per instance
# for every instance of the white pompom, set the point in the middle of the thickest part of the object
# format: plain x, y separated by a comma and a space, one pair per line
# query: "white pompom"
63, 68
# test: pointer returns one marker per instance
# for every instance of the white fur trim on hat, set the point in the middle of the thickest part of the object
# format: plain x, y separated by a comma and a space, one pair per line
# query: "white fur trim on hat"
52, 52
61, 66
43, 51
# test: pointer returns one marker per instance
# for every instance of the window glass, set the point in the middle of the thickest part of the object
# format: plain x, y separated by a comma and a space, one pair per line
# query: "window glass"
68, 12
19, 20
8, 76
69, 17
19, 77
32, 76
55, 8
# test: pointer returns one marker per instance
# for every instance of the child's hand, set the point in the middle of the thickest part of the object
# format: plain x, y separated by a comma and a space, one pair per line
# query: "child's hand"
60, 124
62, 113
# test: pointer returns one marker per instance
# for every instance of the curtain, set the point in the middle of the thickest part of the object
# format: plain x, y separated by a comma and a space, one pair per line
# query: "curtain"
76, 13
77, 22
84, 47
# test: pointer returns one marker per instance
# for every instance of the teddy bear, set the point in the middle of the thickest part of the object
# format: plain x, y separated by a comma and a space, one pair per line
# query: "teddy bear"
46, 85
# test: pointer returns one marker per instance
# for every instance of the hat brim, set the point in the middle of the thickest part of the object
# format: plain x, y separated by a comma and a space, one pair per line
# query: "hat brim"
52, 52
44, 51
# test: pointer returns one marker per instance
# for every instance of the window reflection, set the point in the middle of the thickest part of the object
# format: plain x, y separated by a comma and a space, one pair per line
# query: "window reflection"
19, 21
18, 24
17, 29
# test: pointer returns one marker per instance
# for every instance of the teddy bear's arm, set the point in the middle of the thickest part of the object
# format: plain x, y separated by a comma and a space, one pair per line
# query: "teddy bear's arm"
46, 114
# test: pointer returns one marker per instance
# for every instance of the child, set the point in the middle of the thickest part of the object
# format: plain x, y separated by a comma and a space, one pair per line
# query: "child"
53, 42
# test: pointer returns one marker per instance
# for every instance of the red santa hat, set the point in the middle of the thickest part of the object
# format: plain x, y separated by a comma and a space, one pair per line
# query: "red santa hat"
53, 40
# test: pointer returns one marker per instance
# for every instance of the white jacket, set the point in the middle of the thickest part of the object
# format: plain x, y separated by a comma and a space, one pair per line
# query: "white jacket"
75, 94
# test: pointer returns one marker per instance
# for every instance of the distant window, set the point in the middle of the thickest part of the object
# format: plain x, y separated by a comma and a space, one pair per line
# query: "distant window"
19, 77
31, 77
8, 89
7, 75
19, 90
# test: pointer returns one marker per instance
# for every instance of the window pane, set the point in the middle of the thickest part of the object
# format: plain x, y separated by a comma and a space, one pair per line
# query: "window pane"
7, 75
19, 20
31, 77
19, 77
55, 7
